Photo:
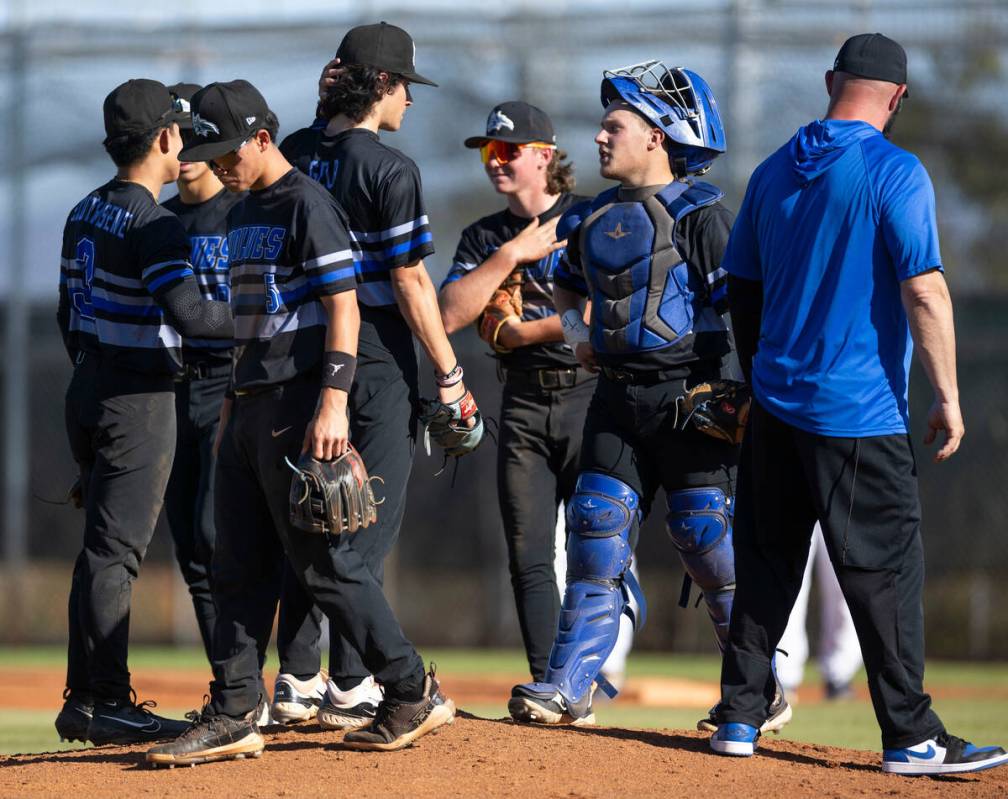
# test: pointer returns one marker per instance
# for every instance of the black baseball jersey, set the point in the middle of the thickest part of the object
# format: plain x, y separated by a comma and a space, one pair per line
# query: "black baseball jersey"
379, 188
206, 225
121, 252
481, 240
288, 245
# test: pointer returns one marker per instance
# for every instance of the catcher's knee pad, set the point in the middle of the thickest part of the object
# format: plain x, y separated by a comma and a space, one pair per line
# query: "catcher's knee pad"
699, 523
600, 517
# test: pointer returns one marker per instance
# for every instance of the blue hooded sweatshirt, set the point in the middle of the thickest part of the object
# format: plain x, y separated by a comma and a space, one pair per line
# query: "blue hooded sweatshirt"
831, 224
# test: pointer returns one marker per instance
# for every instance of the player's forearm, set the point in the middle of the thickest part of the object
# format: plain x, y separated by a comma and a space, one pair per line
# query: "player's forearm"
193, 316
565, 300
418, 304
929, 310
462, 300
745, 303
342, 334
535, 331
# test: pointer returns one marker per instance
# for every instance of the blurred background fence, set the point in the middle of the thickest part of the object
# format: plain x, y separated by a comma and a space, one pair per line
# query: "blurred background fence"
765, 61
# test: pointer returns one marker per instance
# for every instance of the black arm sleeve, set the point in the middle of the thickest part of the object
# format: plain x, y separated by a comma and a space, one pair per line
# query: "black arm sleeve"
745, 301
193, 316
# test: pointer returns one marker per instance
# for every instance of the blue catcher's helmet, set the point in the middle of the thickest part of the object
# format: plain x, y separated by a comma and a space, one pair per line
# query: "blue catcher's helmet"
676, 100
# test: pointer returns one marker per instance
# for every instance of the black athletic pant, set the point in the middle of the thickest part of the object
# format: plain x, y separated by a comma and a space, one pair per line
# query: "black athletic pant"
382, 409
253, 532
864, 493
631, 434
121, 427
189, 497
537, 467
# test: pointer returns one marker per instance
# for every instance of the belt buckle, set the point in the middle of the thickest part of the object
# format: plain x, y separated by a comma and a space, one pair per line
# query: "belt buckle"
547, 378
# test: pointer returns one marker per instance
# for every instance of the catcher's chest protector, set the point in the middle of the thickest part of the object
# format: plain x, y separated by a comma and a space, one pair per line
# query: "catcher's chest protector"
644, 296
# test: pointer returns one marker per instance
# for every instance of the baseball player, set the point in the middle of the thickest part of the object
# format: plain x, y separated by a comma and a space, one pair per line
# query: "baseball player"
379, 188
202, 205
835, 272
647, 254
839, 650
126, 293
502, 278
293, 289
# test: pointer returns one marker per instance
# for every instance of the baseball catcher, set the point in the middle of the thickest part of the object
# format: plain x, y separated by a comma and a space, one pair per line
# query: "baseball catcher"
332, 497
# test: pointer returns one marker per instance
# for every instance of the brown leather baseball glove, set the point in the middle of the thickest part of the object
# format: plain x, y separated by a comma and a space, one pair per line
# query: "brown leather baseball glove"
505, 303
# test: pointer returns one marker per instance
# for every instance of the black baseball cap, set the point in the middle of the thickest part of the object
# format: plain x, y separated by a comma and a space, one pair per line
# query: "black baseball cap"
138, 106
224, 116
383, 46
517, 123
182, 94
873, 56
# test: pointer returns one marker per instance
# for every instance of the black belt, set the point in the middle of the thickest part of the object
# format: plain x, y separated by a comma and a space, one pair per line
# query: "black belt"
548, 379
202, 371
648, 378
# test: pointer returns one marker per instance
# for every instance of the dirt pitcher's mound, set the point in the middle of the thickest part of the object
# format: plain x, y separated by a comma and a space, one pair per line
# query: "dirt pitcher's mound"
485, 758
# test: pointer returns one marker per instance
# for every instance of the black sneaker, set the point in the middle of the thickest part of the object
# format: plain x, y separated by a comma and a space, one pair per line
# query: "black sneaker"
398, 724
541, 703
74, 719
126, 722
210, 738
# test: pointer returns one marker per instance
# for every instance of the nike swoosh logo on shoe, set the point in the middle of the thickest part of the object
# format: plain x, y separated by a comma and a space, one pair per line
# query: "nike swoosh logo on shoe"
150, 726
927, 754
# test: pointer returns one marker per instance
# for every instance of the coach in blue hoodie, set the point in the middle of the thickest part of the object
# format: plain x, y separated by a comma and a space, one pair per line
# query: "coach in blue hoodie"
834, 274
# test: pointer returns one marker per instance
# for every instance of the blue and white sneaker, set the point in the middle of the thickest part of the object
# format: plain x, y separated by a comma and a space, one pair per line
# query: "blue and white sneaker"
944, 754
735, 739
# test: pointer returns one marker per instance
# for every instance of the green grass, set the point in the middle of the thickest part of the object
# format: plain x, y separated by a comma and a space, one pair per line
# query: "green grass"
849, 723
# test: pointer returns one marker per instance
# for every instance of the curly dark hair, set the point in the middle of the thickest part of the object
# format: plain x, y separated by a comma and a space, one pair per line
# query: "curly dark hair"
357, 89
559, 175
127, 150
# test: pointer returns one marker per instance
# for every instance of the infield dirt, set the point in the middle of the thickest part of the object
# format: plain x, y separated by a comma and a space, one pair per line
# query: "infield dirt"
488, 758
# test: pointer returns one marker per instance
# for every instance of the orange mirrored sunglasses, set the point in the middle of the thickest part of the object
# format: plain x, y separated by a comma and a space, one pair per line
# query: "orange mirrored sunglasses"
505, 152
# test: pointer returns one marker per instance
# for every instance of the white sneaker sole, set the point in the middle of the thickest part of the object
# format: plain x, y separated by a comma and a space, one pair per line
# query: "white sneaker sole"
330, 720
735, 748
921, 769
440, 716
525, 711
251, 745
291, 713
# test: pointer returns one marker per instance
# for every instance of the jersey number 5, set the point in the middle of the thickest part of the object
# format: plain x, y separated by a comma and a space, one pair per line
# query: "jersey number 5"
273, 301
85, 257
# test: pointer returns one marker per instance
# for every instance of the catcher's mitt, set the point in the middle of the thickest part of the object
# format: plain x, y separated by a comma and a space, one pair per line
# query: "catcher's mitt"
332, 496
446, 424
505, 303
719, 408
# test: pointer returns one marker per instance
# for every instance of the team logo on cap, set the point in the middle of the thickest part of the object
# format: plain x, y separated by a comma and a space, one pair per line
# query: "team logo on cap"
498, 121
249, 120
203, 127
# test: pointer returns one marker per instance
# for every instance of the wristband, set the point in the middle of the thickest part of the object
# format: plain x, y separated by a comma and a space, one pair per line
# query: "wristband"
575, 331
450, 378
338, 370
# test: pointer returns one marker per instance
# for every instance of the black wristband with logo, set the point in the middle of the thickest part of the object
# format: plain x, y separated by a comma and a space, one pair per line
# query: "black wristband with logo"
338, 370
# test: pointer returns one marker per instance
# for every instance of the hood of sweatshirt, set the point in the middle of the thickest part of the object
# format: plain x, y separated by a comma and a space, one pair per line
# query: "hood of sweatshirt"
820, 144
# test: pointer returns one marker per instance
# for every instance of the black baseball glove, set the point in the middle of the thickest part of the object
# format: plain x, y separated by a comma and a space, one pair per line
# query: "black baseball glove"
719, 408
446, 424
332, 497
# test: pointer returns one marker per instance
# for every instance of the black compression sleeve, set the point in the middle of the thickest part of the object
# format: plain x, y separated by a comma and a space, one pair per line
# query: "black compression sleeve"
193, 316
745, 301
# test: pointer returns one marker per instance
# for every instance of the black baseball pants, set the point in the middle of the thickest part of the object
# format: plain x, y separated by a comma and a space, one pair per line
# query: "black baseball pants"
253, 532
864, 493
382, 408
537, 467
121, 428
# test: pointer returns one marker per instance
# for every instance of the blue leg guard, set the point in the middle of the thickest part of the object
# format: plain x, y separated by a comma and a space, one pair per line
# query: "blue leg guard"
699, 523
600, 516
